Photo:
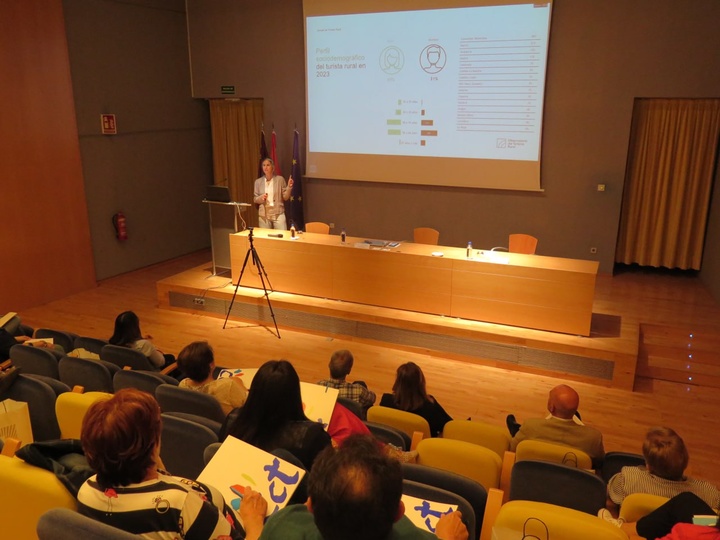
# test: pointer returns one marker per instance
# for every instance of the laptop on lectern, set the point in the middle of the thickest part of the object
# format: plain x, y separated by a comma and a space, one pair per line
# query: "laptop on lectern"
217, 193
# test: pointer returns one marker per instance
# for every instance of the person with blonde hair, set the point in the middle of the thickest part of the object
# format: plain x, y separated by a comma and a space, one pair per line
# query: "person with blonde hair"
666, 459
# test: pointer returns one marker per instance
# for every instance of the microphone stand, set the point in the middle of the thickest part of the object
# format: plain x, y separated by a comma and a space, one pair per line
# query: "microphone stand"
261, 274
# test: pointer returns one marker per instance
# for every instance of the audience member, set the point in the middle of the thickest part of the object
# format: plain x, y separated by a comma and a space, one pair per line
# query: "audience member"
121, 441
666, 459
671, 521
561, 426
197, 361
341, 363
127, 334
409, 394
354, 494
273, 415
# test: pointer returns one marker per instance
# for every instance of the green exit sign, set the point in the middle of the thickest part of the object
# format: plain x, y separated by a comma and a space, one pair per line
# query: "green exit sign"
227, 89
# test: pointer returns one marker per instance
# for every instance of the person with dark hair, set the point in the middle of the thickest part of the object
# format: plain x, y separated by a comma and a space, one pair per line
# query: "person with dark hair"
666, 459
672, 521
562, 426
273, 415
409, 394
121, 440
341, 363
355, 494
127, 334
270, 194
197, 361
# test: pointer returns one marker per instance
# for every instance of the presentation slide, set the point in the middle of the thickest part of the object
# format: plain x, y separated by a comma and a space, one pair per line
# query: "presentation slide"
428, 86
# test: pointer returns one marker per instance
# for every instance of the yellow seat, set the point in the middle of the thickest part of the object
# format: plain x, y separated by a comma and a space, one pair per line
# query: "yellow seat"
638, 505
317, 227
529, 519
402, 420
475, 462
496, 438
70, 409
557, 453
27, 493
522, 243
426, 235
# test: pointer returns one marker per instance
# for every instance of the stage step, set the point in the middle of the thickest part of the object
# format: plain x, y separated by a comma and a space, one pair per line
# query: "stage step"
688, 356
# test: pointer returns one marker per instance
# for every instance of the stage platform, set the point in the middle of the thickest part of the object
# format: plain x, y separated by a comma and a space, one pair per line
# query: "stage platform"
607, 357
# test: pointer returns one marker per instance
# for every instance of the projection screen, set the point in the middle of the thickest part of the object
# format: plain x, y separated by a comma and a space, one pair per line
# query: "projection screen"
431, 92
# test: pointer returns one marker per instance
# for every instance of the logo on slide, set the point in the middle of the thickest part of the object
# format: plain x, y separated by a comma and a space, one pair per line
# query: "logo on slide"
392, 60
433, 59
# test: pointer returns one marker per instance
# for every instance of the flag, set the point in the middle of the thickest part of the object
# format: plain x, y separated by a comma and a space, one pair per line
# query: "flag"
273, 153
294, 206
263, 152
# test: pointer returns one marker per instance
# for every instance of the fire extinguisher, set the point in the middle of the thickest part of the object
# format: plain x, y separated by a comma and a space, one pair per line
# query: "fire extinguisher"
119, 222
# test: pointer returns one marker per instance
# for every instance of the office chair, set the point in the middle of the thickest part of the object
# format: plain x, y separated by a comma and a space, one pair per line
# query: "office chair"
426, 235
522, 243
317, 227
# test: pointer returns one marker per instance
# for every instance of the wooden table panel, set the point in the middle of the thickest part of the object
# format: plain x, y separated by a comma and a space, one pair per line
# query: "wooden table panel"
546, 293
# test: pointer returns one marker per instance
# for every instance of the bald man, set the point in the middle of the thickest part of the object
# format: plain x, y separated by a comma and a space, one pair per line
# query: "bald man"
562, 425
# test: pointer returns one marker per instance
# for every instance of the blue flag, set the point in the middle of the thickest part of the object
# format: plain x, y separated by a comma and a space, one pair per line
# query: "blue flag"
294, 206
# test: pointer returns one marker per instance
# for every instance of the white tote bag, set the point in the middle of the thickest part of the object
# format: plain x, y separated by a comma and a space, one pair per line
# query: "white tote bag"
15, 421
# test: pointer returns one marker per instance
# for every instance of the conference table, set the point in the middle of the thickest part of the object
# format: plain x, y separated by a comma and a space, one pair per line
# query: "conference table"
530, 291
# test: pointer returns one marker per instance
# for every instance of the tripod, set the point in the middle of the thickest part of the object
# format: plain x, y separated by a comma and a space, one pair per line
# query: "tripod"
261, 274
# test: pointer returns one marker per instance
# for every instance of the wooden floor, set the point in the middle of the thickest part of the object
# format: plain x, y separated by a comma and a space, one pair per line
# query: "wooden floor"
674, 315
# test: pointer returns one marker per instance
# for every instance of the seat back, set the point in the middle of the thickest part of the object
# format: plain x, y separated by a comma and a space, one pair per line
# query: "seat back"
65, 339
637, 505
557, 453
40, 398
496, 438
439, 495
27, 493
468, 489
175, 399
35, 360
522, 243
614, 461
317, 227
530, 519
426, 235
66, 524
123, 356
90, 344
402, 420
557, 484
353, 406
142, 380
461, 457
182, 445
92, 375
389, 434
71, 407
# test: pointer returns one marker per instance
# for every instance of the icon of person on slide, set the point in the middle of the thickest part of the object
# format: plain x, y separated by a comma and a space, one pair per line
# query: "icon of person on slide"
270, 195
392, 60
433, 59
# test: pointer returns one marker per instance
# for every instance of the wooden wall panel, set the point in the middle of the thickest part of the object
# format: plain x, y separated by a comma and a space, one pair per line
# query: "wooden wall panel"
44, 236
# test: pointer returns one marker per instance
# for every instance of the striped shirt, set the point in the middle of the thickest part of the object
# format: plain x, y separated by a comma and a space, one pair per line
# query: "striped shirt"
166, 508
637, 479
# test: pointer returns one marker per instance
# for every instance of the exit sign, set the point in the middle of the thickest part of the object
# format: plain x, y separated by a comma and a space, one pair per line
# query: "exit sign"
227, 90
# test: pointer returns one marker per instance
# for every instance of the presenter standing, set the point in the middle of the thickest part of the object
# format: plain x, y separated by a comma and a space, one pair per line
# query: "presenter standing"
271, 192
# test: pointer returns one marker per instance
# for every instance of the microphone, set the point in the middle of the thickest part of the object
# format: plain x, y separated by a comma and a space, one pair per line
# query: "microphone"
275, 235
